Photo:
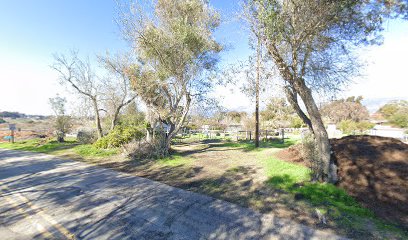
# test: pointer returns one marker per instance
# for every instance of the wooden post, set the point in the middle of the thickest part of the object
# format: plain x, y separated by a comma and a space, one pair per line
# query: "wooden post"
266, 135
12, 136
283, 135
250, 135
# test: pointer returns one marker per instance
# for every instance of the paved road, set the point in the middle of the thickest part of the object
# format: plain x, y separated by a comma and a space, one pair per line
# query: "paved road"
44, 197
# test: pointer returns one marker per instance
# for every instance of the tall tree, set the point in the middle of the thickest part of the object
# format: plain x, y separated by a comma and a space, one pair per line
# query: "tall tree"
176, 49
311, 45
278, 114
396, 112
62, 120
79, 75
258, 73
345, 109
116, 87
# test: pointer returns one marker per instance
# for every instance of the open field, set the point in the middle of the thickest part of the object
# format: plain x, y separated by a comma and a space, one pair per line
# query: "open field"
239, 173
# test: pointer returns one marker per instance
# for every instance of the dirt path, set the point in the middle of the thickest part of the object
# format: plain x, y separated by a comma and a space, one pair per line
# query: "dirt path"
44, 197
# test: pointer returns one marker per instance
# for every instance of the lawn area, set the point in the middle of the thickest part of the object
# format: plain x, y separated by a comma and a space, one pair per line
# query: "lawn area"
240, 173
256, 178
51, 146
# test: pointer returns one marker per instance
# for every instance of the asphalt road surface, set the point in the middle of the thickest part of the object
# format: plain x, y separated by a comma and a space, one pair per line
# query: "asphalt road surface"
44, 197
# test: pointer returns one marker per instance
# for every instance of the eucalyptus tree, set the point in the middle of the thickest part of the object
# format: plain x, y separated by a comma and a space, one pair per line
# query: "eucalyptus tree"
176, 51
311, 43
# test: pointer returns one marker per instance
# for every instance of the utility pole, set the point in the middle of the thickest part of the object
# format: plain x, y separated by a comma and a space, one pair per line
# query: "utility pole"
258, 62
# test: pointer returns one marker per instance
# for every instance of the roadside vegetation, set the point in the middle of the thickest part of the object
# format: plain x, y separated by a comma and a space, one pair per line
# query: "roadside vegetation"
52, 146
305, 48
240, 173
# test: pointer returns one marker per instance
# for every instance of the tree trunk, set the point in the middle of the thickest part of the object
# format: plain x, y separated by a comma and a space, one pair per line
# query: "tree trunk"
292, 98
170, 135
257, 94
174, 128
328, 169
115, 117
151, 125
97, 119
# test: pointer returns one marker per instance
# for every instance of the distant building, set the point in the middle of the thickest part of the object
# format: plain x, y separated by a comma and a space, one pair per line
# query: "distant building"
234, 128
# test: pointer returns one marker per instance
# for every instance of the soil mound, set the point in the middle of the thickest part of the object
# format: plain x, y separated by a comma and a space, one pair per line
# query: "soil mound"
375, 171
372, 169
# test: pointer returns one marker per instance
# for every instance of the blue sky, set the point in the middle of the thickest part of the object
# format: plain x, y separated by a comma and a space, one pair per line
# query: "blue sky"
31, 31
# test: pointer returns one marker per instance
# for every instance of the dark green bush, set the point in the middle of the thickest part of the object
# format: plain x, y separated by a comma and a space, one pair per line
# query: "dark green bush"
2, 120
121, 134
86, 136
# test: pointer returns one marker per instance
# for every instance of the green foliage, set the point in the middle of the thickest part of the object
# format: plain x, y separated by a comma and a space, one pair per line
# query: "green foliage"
51, 146
396, 112
40, 145
2, 120
89, 150
276, 168
350, 127
279, 113
322, 195
120, 135
250, 146
295, 179
296, 122
177, 53
63, 123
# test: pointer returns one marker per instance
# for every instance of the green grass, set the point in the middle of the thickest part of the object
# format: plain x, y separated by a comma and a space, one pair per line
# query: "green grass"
284, 172
329, 199
88, 150
39, 145
174, 160
250, 146
295, 179
51, 146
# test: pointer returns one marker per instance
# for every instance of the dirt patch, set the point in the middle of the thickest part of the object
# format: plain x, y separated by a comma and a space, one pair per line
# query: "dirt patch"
372, 169
375, 171
292, 154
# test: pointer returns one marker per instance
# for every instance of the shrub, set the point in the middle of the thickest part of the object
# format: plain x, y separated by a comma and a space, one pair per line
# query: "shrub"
400, 119
154, 149
86, 136
121, 135
347, 126
2, 120
309, 153
350, 127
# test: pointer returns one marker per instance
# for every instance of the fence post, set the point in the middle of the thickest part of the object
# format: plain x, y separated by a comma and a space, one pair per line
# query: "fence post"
250, 135
266, 135
283, 135
12, 136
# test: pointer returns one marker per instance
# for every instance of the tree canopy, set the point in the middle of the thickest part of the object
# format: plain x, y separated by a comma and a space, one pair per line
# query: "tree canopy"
176, 50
